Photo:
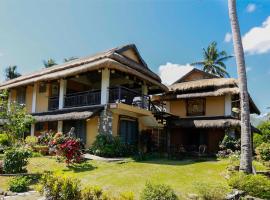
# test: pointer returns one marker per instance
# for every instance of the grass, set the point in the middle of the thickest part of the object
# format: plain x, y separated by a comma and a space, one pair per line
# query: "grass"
132, 176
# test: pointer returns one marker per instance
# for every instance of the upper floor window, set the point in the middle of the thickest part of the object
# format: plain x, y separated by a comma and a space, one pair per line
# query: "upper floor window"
21, 93
195, 107
42, 88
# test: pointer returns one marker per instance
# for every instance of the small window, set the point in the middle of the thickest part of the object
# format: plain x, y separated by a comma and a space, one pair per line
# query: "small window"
42, 87
21, 95
196, 107
40, 126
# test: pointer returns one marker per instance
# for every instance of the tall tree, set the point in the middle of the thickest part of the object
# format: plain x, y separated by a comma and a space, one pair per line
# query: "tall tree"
11, 72
49, 63
70, 58
246, 151
213, 61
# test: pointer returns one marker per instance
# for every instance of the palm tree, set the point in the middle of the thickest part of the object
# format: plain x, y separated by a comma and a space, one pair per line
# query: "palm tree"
246, 151
70, 58
11, 72
213, 61
49, 63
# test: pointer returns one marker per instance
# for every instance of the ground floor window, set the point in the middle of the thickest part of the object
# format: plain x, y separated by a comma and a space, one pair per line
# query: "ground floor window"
128, 130
79, 128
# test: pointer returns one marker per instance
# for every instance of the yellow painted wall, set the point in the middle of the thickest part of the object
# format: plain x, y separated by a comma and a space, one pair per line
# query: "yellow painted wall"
91, 130
214, 106
42, 100
28, 98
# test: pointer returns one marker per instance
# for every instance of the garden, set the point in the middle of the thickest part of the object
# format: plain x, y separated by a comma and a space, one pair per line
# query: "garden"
54, 165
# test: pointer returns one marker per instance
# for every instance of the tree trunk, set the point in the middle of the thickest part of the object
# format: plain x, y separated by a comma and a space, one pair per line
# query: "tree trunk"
246, 151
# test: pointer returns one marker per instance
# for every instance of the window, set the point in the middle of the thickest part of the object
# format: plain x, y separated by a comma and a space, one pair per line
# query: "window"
42, 87
128, 130
21, 93
195, 107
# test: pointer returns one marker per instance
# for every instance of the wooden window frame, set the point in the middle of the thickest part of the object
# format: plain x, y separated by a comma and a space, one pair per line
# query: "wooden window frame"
196, 114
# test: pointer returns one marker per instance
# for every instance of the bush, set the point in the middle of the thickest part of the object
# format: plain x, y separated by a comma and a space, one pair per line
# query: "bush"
257, 140
254, 185
58, 187
110, 146
19, 184
4, 140
93, 193
71, 150
158, 192
15, 161
31, 140
265, 131
210, 191
263, 151
126, 196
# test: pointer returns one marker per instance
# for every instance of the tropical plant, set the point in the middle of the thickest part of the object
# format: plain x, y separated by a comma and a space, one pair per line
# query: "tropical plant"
71, 150
210, 191
11, 72
246, 149
49, 63
213, 61
15, 160
19, 184
263, 152
70, 58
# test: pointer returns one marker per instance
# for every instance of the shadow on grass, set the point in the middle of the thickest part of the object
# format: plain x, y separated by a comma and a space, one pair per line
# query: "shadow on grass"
81, 167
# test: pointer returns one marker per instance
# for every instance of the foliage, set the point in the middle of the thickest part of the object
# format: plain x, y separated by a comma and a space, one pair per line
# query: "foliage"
228, 146
264, 127
45, 138
49, 63
17, 119
11, 72
4, 140
31, 140
93, 193
71, 150
108, 145
15, 160
19, 184
263, 152
213, 61
157, 192
257, 140
254, 185
209, 191
126, 196
56, 187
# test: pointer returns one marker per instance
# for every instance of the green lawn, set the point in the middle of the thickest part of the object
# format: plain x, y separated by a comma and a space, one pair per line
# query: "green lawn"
132, 176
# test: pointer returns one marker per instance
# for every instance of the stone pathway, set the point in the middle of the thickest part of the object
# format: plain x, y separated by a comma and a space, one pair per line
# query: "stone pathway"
31, 195
93, 157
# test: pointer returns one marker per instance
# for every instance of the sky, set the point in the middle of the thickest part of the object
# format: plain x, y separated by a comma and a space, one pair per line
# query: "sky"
169, 34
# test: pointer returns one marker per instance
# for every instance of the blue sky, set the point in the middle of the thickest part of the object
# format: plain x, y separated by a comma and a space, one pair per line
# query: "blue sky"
164, 31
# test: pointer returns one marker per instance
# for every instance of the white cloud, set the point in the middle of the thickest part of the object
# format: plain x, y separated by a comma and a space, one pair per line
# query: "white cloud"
169, 73
257, 39
228, 37
251, 7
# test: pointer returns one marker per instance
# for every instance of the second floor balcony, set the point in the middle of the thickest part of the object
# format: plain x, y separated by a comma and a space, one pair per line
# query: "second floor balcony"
117, 94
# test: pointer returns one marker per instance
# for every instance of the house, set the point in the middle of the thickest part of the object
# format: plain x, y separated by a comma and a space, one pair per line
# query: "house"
115, 92
206, 108
108, 92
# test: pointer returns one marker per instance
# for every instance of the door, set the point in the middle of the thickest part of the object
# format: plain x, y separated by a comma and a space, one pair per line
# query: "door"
128, 131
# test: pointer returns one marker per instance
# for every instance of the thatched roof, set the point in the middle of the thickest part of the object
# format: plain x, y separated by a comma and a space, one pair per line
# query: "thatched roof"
112, 59
64, 116
203, 84
218, 92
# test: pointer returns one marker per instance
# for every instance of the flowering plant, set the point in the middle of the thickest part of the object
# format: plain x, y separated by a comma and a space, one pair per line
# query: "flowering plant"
71, 150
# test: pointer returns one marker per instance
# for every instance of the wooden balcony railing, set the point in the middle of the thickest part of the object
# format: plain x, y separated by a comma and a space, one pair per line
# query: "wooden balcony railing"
87, 98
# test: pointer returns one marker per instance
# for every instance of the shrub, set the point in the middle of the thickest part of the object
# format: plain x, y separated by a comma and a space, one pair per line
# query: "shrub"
19, 184
254, 185
257, 140
4, 140
158, 192
210, 191
58, 187
110, 146
126, 196
45, 138
31, 140
92, 193
71, 150
265, 131
263, 151
15, 160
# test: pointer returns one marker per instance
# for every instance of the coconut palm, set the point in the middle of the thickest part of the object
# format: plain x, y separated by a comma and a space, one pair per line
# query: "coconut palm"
213, 61
70, 58
49, 63
246, 147
11, 72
